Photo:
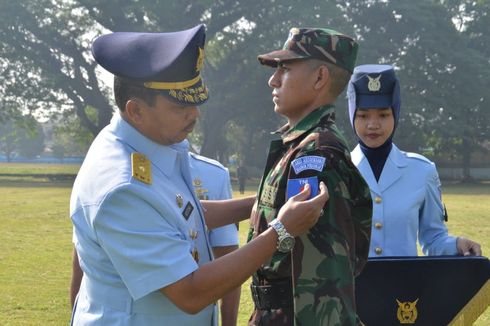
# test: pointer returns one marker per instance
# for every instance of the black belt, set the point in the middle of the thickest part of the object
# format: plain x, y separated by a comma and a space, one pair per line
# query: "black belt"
272, 296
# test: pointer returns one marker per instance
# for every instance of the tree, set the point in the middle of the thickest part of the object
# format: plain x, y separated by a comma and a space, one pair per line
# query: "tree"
440, 48
22, 136
442, 75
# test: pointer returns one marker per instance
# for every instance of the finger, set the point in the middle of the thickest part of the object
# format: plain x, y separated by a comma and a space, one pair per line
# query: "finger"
476, 249
322, 196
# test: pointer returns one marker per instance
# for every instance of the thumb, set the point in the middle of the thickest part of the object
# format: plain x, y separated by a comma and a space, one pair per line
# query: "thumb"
304, 194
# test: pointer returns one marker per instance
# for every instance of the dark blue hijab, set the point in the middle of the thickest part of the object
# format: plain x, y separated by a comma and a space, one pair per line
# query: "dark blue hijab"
372, 87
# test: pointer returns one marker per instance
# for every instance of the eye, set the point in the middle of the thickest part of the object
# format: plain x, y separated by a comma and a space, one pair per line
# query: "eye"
385, 114
282, 66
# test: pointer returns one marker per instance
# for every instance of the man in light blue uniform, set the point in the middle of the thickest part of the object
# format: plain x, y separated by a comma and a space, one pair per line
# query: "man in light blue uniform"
405, 187
211, 180
139, 229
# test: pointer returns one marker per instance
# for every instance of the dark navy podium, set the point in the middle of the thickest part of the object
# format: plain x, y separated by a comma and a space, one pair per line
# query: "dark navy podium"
429, 291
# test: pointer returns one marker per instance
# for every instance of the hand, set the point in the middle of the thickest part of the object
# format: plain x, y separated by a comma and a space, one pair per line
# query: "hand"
299, 213
467, 247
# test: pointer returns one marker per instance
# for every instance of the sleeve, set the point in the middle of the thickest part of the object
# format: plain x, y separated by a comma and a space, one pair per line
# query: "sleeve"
143, 241
347, 214
433, 233
336, 247
226, 235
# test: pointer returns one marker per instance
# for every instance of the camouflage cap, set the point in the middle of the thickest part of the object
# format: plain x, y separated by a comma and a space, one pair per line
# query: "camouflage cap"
315, 43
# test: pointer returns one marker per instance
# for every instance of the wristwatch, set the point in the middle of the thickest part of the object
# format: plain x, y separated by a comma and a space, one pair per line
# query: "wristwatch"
285, 242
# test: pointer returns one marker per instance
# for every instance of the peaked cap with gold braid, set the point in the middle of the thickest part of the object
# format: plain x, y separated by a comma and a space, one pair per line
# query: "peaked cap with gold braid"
169, 62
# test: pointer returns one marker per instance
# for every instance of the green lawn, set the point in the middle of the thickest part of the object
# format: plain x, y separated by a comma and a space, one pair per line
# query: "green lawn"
35, 246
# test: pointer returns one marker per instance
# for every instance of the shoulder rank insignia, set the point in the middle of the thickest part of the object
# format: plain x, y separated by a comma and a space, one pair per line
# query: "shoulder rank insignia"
141, 168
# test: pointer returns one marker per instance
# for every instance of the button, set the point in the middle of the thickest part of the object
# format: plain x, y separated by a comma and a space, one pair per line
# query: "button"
378, 251
193, 234
378, 225
377, 200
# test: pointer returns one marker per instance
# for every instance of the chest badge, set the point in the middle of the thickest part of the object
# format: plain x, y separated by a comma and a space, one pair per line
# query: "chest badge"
179, 200
141, 168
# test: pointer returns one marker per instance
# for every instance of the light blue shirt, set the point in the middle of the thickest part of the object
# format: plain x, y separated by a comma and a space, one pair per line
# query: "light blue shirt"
134, 238
406, 206
211, 180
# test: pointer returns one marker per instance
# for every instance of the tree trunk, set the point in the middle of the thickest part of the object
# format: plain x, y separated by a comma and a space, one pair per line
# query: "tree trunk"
466, 152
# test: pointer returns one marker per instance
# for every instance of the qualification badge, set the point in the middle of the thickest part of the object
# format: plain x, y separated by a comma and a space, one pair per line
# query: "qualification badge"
200, 191
141, 168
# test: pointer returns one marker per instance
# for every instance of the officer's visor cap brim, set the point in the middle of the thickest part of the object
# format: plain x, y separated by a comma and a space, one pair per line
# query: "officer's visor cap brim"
272, 59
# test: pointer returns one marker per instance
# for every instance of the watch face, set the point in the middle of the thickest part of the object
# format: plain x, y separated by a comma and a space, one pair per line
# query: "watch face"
286, 244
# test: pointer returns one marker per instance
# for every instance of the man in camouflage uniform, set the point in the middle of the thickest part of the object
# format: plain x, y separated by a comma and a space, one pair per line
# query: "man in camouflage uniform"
314, 283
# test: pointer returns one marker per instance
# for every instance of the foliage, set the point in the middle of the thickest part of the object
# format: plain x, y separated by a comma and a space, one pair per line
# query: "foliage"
439, 47
21, 135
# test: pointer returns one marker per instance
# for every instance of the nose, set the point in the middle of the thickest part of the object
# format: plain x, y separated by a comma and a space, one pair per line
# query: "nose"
192, 112
373, 123
274, 81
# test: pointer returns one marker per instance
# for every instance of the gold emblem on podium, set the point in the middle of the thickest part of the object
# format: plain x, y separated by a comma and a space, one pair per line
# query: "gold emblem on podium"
407, 312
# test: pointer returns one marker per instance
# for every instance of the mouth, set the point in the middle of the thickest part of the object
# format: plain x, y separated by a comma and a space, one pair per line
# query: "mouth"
275, 98
373, 136
190, 126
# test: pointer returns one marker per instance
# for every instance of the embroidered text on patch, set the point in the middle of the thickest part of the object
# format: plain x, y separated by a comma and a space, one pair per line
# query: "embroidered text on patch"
308, 163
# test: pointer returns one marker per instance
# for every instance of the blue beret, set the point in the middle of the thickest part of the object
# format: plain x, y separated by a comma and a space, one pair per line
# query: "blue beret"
170, 62
373, 86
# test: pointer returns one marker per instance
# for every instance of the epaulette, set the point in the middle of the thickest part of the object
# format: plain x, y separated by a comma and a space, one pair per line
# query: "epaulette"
207, 160
141, 168
418, 157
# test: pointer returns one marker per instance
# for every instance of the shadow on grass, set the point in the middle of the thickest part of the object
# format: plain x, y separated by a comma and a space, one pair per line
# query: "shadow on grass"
30, 182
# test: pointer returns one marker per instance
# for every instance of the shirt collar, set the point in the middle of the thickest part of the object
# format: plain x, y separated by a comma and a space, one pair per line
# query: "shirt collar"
164, 157
310, 121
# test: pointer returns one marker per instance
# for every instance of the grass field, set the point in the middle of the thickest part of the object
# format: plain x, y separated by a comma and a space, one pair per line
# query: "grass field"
35, 244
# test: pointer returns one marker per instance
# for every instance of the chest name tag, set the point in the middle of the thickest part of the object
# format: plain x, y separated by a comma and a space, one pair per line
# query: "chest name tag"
295, 186
308, 163
187, 210
141, 168
268, 196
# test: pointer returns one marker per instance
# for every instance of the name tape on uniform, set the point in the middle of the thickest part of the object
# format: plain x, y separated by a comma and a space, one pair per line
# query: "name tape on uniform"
311, 162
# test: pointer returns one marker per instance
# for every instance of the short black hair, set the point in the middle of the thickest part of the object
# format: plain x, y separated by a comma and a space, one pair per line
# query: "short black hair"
124, 90
340, 77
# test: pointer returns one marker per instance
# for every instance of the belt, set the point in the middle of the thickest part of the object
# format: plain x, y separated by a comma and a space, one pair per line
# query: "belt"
272, 296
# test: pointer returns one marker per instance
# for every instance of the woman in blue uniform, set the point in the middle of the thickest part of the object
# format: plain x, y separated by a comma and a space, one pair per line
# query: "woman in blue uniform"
405, 187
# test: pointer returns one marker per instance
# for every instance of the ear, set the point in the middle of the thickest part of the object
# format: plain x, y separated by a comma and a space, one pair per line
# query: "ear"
134, 111
322, 77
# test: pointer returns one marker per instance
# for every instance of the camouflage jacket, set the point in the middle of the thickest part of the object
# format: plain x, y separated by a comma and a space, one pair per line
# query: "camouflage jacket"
324, 261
